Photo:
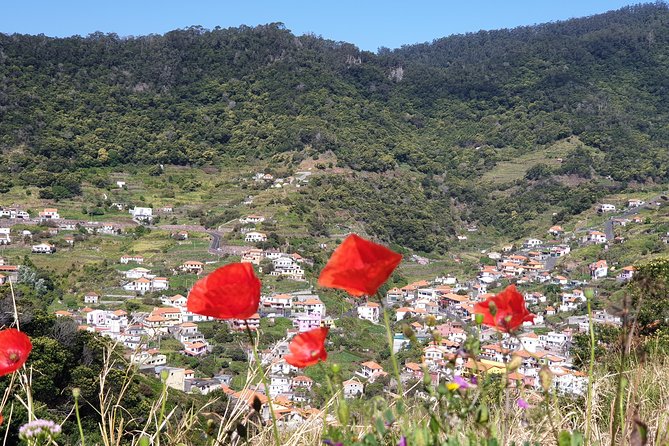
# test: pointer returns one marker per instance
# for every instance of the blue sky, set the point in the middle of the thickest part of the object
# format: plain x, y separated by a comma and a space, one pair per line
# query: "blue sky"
368, 24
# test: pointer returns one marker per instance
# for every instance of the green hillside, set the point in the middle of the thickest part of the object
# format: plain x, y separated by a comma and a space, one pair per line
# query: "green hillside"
490, 128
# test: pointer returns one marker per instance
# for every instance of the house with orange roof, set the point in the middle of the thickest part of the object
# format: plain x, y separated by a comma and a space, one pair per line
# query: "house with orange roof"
401, 313
196, 348
556, 230
394, 295
49, 214
626, 274
311, 306
599, 269
595, 237
353, 388
253, 256
63, 313
370, 370
369, 311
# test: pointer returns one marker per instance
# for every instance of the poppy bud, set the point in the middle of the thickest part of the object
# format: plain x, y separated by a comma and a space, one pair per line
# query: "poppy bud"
164, 375
492, 307
76, 392
430, 320
589, 293
336, 368
427, 379
546, 378
408, 331
437, 336
515, 362
343, 412
478, 318
482, 414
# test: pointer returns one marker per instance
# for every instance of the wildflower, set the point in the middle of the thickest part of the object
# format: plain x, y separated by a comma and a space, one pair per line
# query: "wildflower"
39, 430
230, 292
522, 404
403, 441
459, 383
359, 266
505, 311
307, 348
15, 347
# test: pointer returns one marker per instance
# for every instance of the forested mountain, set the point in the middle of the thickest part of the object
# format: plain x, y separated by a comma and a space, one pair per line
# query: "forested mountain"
438, 115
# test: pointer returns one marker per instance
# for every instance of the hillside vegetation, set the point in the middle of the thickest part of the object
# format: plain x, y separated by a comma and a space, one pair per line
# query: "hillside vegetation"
447, 118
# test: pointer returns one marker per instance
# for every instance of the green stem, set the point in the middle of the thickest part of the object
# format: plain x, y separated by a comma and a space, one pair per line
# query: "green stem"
81, 429
591, 367
275, 429
162, 410
390, 336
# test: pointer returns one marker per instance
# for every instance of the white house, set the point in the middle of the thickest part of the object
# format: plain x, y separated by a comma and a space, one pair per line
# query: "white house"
144, 285
635, 203
91, 298
599, 269
44, 248
49, 214
353, 388
127, 259
533, 243
369, 311
596, 237
143, 215
255, 237
14, 213
5, 238
626, 274
605, 207
252, 219
137, 273
193, 267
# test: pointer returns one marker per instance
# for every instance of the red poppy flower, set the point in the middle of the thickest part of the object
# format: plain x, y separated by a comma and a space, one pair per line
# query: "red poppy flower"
359, 266
505, 311
308, 348
230, 292
15, 347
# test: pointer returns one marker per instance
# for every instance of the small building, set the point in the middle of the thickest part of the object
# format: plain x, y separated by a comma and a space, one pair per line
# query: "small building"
353, 388
192, 267
369, 311
605, 207
255, 237
142, 215
49, 214
43, 248
252, 219
91, 298
599, 269
127, 259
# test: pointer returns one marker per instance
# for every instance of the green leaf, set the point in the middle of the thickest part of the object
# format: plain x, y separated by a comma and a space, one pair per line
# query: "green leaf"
564, 439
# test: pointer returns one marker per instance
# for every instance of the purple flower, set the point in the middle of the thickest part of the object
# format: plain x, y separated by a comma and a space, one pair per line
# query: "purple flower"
403, 441
474, 380
522, 404
331, 443
39, 429
461, 382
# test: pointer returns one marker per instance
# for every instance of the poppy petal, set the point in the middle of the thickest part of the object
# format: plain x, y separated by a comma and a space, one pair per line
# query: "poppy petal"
359, 266
230, 292
15, 346
307, 348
